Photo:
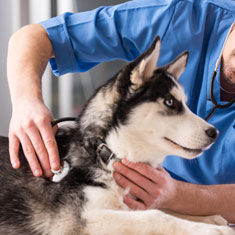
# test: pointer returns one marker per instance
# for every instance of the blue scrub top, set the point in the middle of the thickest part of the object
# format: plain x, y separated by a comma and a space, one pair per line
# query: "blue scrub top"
83, 40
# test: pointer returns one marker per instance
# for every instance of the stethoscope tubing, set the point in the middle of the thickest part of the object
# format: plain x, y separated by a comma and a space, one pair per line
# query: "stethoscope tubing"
65, 119
216, 105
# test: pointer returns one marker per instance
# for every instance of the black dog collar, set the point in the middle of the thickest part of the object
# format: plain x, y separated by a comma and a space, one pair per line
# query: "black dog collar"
103, 151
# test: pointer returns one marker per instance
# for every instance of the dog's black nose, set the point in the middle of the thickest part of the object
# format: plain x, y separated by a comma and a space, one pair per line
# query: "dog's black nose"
212, 133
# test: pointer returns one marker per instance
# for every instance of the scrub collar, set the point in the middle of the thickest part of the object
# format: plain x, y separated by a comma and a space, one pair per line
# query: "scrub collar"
221, 52
213, 88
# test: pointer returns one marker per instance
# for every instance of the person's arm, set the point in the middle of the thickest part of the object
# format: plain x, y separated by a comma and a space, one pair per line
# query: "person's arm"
28, 54
155, 188
84, 39
107, 36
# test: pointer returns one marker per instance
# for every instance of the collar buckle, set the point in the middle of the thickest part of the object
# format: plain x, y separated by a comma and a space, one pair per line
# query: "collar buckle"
104, 152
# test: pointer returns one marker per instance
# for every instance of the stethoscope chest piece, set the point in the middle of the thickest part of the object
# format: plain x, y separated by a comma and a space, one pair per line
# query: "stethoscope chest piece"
61, 173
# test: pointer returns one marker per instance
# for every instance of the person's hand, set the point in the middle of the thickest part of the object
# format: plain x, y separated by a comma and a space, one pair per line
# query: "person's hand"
151, 188
30, 125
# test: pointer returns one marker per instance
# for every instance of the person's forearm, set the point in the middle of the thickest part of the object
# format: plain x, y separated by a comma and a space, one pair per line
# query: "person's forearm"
155, 188
205, 200
28, 53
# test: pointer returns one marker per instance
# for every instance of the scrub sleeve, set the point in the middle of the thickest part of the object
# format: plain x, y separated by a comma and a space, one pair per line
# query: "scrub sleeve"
83, 40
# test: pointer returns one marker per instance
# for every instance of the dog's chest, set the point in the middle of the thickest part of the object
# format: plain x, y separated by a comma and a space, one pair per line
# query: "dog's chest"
105, 198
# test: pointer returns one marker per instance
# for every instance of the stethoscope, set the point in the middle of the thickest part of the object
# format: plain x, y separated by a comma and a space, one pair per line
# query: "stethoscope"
216, 105
65, 119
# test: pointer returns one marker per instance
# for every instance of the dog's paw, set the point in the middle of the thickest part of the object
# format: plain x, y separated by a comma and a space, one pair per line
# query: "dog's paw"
214, 230
215, 219
224, 230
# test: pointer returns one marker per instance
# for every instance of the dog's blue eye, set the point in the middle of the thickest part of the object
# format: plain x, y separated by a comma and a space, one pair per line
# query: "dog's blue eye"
169, 102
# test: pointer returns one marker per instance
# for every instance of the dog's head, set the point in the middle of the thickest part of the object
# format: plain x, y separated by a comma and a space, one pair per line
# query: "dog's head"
152, 110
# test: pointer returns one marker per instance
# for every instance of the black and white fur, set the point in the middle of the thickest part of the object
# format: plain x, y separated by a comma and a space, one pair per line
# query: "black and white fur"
141, 114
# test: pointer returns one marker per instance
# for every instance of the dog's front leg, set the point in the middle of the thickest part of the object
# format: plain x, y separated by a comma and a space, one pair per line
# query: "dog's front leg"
211, 219
112, 222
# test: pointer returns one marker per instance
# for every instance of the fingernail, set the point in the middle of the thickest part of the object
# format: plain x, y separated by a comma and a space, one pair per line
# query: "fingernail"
55, 166
116, 165
15, 164
159, 167
37, 173
125, 161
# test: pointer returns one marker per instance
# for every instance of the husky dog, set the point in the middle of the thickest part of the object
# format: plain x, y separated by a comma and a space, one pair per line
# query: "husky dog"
140, 114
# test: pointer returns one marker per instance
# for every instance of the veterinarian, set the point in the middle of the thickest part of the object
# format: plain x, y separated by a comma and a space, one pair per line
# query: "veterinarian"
205, 28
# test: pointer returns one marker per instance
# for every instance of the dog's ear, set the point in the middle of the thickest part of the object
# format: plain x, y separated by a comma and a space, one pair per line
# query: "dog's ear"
146, 64
177, 66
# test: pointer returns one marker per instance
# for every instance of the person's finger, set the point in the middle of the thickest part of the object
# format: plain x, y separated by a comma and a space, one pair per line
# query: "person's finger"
14, 145
30, 154
133, 204
40, 149
156, 175
133, 188
48, 137
55, 129
134, 176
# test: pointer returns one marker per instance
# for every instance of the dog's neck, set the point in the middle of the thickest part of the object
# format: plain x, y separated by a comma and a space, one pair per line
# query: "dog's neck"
125, 143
